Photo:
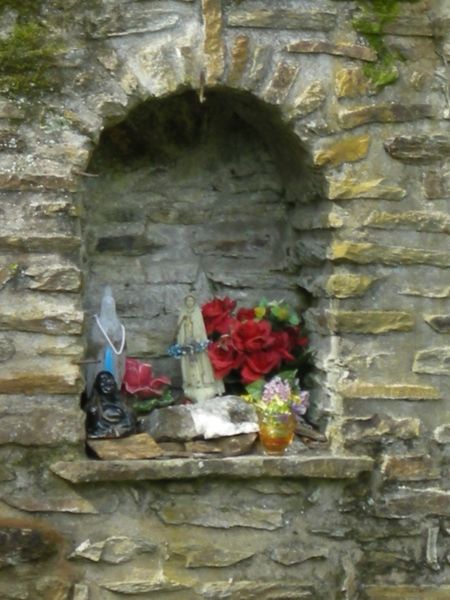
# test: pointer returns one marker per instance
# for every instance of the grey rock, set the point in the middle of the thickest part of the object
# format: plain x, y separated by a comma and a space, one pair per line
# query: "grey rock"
442, 434
434, 361
113, 550
418, 149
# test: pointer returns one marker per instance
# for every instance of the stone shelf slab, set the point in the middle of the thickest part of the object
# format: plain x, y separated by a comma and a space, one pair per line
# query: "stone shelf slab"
320, 466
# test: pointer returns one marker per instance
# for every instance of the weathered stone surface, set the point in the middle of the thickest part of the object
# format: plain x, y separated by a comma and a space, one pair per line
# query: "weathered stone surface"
11, 110
295, 554
70, 503
140, 582
251, 590
50, 426
320, 47
213, 45
199, 556
376, 427
239, 59
19, 172
379, 391
366, 253
434, 361
429, 501
39, 241
369, 321
133, 447
321, 466
80, 591
348, 285
136, 19
383, 113
7, 348
409, 468
350, 83
440, 323
409, 25
413, 219
350, 188
218, 417
40, 376
26, 541
418, 148
281, 18
233, 445
54, 278
283, 77
260, 63
113, 550
11, 141
436, 184
309, 100
427, 291
432, 549
403, 592
347, 149
442, 434
41, 314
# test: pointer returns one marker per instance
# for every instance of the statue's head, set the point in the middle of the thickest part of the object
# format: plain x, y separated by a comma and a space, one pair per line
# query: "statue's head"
105, 383
190, 301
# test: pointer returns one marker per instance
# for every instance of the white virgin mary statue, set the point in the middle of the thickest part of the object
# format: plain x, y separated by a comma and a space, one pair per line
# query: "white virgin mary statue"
106, 343
197, 373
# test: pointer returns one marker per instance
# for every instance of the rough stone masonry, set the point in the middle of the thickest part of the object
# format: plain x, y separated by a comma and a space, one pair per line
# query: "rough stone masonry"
291, 149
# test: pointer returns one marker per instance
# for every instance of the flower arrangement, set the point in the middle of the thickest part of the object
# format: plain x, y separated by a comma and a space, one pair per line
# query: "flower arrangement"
248, 344
280, 395
147, 391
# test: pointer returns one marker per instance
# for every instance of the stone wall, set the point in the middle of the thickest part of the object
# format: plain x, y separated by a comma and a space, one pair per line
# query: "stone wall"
350, 180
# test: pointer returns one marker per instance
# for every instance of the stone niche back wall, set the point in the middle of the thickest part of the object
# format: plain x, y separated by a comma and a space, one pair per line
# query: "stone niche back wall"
369, 519
188, 195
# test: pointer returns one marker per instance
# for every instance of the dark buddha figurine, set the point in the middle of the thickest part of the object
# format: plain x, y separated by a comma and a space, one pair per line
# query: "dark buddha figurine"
107, 415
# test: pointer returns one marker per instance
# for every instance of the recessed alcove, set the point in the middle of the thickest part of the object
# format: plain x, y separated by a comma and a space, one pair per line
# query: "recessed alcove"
195, 194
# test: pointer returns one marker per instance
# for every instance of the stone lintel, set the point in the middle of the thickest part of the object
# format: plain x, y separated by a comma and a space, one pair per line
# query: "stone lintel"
245, 467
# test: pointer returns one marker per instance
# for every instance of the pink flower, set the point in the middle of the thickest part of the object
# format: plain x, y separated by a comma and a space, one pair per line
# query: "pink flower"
139, 381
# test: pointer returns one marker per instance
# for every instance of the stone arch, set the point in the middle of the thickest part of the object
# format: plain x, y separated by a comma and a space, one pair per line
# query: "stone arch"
288, 207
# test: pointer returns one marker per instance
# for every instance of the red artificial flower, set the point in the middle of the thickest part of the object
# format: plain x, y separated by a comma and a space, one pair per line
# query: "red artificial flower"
138, 380
252, 336
295, 338
282, 345
245, 314
258, 364
217, 315
224, 357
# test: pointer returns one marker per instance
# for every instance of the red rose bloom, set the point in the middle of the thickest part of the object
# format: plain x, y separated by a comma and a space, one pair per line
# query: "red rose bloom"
245, 314
282, 345
258, 364
138, 380
217, 315
252, 336
224, 357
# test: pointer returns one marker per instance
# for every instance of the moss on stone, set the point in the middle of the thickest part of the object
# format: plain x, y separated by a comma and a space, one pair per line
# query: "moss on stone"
371, 23
26, 57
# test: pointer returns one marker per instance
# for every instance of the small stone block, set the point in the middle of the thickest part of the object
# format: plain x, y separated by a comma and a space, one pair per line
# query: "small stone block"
134, 447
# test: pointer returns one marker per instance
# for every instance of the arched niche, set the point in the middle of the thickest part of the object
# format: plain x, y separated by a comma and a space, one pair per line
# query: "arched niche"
195, 193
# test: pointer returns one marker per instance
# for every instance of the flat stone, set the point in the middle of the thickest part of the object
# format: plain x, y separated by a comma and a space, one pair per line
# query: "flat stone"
295, 555
426, 291
408, 502
133, 447
25, 173
213, 43
240, 53
281, 18
319, 466
434, 361
72, 503
257, 590
350, 188
7, 348
43, 314
365, 253
309, 100
36, 376
282, 79
369, 321
259, 66
442, 434
139, 582
11, 110
53, 278
347, 149
403, 592
214, 418
376, 427
351, 83
233, 445
80, 591
11, 141
199, 556
40, 242
368, 391
418, 148
320, 47
130, 21
409, 468
113, 550
25, 541
348, 285
440, 323
436, 184
383, 113
416, 220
